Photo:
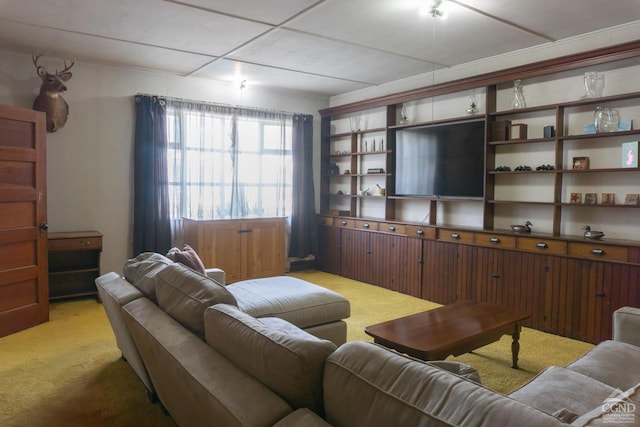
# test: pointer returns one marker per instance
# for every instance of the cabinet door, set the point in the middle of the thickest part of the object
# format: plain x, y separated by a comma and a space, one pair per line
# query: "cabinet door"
621, 287
263, 241
355, 254
447, 272
329, 249
219, 246
394, 263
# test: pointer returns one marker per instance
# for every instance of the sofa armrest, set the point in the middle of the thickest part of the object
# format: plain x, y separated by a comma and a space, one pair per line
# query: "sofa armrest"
626, 325
218, 275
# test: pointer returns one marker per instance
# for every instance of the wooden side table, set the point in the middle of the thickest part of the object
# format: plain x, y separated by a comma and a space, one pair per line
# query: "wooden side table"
74, 263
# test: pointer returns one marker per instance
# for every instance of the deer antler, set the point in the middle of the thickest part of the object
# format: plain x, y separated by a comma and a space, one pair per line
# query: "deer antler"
66, 67
35, 57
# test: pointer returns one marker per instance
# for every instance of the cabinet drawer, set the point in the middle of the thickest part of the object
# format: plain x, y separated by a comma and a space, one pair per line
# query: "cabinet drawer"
75, 244
341, 222
542, 245
598, 251
456, 235
367, 225
418, 231
495, 240
392, 228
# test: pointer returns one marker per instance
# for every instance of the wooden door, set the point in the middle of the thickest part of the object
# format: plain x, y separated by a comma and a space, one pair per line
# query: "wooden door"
24, 290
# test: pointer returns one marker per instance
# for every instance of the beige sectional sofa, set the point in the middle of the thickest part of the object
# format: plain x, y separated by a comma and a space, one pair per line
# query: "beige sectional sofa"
243, 370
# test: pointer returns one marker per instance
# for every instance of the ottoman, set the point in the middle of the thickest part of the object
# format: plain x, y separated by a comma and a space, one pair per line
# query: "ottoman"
313, 308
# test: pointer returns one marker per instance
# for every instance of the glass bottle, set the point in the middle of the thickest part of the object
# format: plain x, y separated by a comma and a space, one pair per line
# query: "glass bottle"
518, 96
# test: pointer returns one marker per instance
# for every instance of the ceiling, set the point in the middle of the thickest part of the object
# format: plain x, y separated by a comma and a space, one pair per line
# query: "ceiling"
326, 47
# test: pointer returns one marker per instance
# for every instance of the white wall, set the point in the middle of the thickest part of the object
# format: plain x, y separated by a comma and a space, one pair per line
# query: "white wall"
90, 160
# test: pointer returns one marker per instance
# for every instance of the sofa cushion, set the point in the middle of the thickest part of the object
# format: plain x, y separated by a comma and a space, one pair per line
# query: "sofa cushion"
281, 356
297, 301
556, 389
141, 270
188, 257
612, 363
619, 409
185, 294
367, 385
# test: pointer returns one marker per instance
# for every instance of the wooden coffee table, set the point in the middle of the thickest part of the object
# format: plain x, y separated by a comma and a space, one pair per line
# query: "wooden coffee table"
454, 329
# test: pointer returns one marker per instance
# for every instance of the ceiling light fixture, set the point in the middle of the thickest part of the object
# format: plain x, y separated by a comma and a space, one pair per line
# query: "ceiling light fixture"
435, 9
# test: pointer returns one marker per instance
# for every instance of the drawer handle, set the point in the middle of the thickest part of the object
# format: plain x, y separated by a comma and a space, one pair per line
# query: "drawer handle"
541, 245
597, 251
600, 294
343, 222
366, 225
420, 232
455, 236
494, 240
392, 228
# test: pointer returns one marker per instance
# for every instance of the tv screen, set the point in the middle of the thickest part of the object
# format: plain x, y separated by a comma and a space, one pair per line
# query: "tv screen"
441, 160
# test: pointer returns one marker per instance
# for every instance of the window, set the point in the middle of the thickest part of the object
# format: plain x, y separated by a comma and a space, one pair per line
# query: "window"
226, 162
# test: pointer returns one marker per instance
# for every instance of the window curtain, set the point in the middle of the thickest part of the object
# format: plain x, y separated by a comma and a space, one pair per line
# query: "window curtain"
304, 237
227, 162
151, 224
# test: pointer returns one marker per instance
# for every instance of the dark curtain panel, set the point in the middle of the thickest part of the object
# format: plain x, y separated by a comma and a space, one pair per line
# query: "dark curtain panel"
304, 232
151, 226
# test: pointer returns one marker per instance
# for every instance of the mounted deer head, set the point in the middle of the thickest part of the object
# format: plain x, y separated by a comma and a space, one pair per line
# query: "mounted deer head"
49, 99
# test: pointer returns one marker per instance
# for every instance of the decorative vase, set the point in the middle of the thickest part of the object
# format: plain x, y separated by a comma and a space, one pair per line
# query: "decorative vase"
599, 85
590, 80
606, 119
518, 96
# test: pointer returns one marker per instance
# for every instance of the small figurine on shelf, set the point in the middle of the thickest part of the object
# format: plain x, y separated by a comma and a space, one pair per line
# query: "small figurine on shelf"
590, 234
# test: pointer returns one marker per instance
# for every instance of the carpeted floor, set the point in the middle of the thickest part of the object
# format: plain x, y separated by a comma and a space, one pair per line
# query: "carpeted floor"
68, 372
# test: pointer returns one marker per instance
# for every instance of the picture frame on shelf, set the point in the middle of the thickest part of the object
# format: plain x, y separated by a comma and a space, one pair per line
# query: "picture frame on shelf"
608, 199
632, 199
576, 198
580, 163
590, 199
629, 154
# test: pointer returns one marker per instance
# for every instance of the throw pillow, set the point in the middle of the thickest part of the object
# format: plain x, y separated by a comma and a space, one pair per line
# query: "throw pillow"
187, 256
281, 356
184, 294
141, 270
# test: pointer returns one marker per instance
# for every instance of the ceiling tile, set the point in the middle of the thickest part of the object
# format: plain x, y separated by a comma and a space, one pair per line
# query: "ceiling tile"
302, 52
69, 45
559, 19
266, 77
152, 22
270, 11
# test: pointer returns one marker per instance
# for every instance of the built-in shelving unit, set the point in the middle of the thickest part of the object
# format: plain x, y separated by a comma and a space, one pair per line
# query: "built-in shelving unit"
509, 195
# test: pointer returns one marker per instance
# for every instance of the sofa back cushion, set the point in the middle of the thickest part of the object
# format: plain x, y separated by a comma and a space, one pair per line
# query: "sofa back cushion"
185, 294
367, 385
141, 271
281, 356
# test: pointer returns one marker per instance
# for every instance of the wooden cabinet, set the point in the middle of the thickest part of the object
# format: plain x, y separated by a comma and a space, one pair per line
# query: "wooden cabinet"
570, 288
243, 248
74, 263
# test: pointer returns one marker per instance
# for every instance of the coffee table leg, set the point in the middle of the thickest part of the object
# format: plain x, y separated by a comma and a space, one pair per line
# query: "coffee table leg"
515, 347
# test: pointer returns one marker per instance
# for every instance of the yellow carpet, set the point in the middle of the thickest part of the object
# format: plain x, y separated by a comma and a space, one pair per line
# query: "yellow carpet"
68, 372
372, 304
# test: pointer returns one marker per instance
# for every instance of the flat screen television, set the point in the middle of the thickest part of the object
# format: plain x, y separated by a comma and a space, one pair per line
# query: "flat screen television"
441, 160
